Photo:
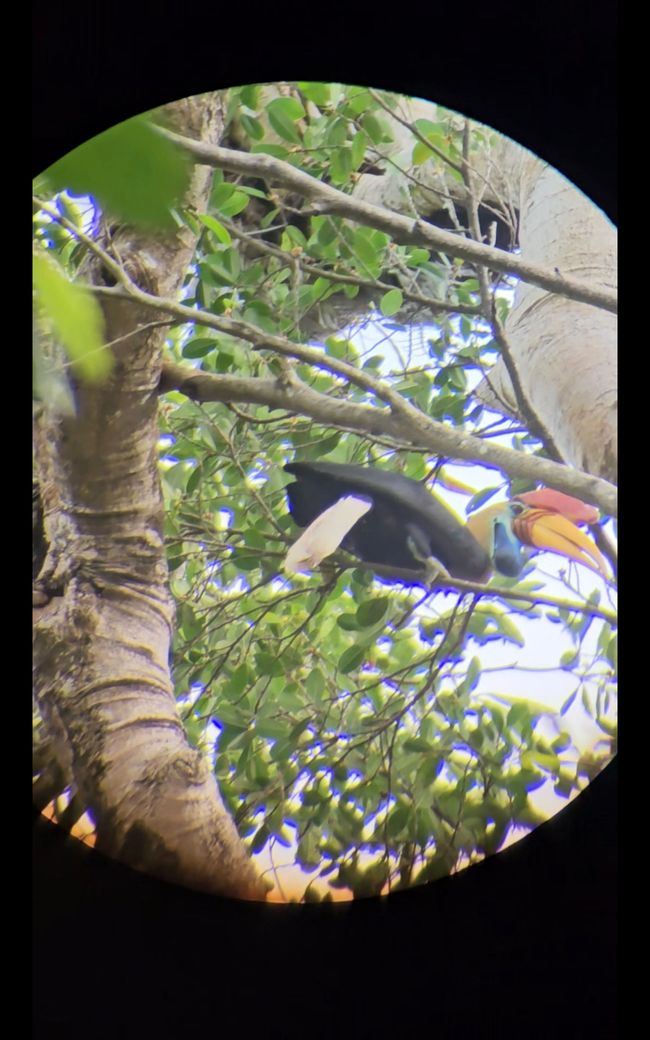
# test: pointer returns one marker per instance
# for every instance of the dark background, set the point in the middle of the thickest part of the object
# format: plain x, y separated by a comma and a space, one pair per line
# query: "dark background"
523, 945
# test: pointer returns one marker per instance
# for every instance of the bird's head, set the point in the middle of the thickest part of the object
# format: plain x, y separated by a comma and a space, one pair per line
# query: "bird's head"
544, 519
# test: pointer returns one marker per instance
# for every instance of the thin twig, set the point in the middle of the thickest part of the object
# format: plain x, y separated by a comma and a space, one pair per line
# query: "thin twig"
311, 268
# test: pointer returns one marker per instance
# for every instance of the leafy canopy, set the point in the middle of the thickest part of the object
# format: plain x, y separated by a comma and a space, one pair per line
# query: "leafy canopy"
349, 722
346, 722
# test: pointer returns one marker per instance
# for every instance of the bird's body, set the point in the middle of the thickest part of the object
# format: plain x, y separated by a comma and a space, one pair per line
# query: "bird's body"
404, 527
388, 519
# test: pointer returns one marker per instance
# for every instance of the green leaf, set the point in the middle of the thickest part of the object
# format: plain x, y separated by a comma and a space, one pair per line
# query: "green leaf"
430, 129
249, 95
237, 202
348, 622
340, 166
372, 612
418, 256
482, 496
315, 684
231, 715
229, 734
134, 173
198, 348
509, 630
518, 716
271, 729
397, 820
561, 743
221, 192
421, 153
194, 480
391, 302
473, 673
365, 248
610, 728
358, 149
268, 664
245, 563
295, 237
545, 759
337, 133
217, 228
252, 127
374, 128
260, 839
319, 93
565, 782
418, 744
337, 348
351, 658
307, 852
569, 658
282, 114
359, 100
76, 318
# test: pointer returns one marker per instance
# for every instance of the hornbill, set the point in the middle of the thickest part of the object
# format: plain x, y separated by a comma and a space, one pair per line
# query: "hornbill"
388, 519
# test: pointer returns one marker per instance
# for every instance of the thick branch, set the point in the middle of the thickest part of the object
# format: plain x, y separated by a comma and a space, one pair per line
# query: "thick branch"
403, 230
408, 423
291, 394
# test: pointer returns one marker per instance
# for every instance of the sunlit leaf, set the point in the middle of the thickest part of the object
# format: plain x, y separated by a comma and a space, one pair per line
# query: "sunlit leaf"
391, 302
217, 228
75, 317
132, 170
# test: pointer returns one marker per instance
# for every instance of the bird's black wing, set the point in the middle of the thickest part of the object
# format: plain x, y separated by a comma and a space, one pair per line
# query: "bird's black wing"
381, 535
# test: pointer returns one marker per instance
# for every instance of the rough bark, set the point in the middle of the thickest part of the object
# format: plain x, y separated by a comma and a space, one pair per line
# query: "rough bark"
102, 641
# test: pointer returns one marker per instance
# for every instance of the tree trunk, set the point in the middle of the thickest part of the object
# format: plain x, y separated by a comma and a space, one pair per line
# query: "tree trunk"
102, 641
564, 351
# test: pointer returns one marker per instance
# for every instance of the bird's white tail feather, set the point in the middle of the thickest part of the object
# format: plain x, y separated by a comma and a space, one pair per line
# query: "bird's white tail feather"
325, 533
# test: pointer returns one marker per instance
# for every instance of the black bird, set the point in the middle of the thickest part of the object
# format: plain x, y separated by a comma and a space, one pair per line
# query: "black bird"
381, 517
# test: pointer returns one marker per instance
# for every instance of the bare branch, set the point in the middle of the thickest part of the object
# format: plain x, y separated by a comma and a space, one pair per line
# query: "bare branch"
487, 591
291, 394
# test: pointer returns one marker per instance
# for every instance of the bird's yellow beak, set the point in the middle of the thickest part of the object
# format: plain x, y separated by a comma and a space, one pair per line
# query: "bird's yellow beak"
552, 532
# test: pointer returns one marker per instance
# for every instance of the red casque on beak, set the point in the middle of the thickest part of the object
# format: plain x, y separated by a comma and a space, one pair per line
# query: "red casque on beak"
550, 523
557, 502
